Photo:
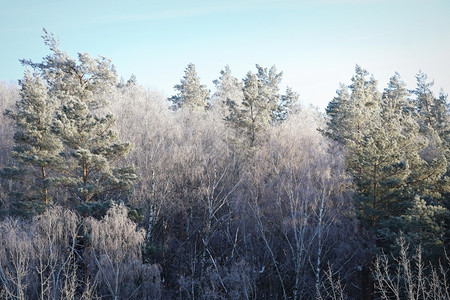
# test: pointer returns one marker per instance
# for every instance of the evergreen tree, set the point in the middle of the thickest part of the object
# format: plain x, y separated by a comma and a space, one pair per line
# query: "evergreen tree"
280, 105
269, 81
91, 80
389, 158
425, 101
395, 99
190, 91
339, 112
256, 110
287, 104
393, 157
93, 148
262, 103
363, 108
352, 112
228, 92
36, 147
441, 112
91, 145
433, 115
422, 225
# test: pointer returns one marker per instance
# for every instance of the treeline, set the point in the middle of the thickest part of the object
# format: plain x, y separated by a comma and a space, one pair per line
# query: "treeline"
238, 194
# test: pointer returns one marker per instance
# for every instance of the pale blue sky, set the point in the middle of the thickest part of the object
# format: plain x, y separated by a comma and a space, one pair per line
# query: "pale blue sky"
315, 43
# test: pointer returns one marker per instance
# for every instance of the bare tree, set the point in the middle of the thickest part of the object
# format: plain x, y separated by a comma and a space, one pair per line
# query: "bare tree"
16, 256
55, 239
331, 287
406, 277
116, 250
297, 187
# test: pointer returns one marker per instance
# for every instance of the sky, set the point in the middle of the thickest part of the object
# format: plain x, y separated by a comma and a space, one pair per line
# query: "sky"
316, 44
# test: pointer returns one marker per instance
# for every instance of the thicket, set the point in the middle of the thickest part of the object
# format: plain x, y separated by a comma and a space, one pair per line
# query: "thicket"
242, 194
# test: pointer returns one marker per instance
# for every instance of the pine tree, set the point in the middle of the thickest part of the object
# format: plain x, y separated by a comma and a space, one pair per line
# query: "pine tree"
36, 147
262, 104
339, 111
256, 110
94, 148
288, 103
433, 114
91, 145
425, 101
269, 81
190, 91
352, 111
392, 156
395, 99
363, 108
441, 111
228, 93
90, 80
422, 225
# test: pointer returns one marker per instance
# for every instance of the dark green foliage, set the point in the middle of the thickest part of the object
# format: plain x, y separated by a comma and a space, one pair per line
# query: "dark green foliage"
421, 225
27, 208
397, 159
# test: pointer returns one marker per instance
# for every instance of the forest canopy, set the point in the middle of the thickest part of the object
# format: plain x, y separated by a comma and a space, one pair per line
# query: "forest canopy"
109, 190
